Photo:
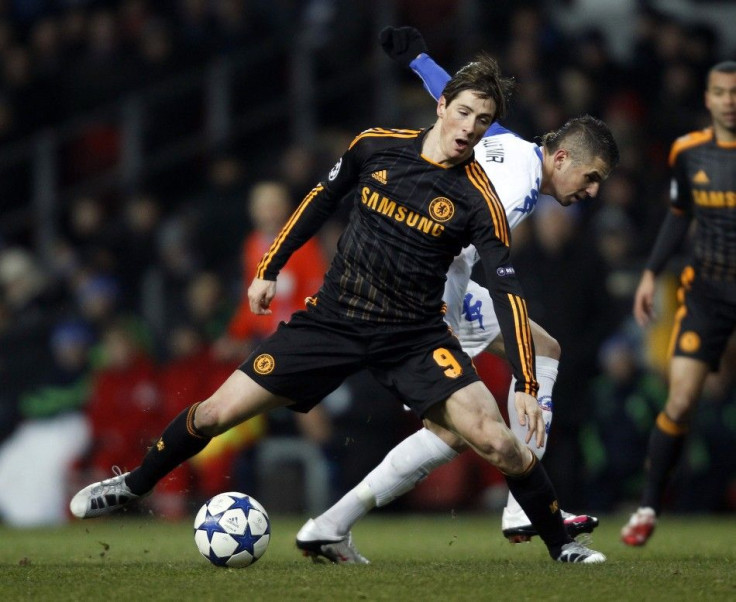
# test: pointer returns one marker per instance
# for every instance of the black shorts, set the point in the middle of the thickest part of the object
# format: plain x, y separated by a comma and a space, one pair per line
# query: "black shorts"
308, 357
704, 321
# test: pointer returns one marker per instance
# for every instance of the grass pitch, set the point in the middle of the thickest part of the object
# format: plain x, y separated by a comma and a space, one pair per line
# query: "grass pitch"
416, 557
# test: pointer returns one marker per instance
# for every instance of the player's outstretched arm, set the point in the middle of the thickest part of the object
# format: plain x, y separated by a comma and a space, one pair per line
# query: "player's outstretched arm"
406, 46
402, 44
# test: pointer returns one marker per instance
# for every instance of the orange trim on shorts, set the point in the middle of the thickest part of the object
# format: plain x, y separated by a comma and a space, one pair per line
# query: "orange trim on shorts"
679, 317
670, 427
686, 282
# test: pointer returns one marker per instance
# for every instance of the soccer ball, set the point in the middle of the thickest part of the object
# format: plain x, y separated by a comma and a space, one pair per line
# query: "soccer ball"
232, 529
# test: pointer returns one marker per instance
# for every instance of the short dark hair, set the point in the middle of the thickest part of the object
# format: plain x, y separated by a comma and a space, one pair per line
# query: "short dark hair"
723, 67
585, 137
483, 77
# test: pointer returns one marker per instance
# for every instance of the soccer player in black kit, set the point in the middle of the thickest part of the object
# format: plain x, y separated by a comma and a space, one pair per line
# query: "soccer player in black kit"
418, 197
704, 190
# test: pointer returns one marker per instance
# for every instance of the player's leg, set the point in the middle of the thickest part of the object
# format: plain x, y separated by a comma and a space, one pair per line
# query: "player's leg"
478, 330
666, 443
420, 378
286, 362
328, 534
703, 326
236, 400
403, 467
472, 414
515, 525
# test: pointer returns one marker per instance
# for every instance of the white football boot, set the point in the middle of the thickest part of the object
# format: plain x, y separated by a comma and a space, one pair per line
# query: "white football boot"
576, 552
315, 543
103, 497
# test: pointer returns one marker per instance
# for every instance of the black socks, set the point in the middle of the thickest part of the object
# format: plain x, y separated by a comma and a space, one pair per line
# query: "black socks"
179, 442
536, 495
666, 443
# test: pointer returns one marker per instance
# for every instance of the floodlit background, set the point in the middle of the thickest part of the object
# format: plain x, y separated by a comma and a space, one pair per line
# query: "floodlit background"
149, 151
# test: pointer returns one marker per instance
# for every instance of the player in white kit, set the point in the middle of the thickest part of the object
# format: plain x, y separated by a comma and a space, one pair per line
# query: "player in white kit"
569, 166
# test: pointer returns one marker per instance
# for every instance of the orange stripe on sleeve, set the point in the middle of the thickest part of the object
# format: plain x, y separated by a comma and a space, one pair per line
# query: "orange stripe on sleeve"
524, 339
480, 180
384, 133
276, 245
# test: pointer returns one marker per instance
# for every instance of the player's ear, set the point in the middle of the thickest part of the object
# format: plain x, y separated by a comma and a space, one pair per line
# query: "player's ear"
441, 106
560, 156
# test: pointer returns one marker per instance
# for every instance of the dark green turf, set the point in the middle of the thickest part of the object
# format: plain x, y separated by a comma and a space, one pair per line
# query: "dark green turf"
421, 558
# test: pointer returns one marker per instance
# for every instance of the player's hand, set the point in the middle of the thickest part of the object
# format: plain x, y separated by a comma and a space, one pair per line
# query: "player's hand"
529, 414
644, 299
402, 44
260, 294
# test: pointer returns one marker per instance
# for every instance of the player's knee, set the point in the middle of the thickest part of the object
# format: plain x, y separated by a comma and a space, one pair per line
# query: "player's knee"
507, 446
449, 438
209, 419
494, 441
679, 408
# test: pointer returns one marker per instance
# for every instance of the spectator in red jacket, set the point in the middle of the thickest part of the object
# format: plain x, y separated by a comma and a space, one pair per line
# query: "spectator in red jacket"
125, 410
270, 205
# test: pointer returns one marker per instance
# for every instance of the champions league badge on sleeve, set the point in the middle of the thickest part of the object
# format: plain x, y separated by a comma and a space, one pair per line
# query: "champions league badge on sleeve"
335, 170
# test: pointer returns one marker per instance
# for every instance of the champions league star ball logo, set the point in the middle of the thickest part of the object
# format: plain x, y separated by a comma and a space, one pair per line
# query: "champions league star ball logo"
334, 171
232, 530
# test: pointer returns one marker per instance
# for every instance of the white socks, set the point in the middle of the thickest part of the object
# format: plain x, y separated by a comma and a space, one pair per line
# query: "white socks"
402, 468
546, 376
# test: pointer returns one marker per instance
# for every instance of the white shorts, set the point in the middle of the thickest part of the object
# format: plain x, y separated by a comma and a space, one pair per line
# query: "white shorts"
476, 324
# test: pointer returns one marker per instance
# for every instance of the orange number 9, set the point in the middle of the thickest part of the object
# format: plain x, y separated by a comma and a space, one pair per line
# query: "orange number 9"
446, 360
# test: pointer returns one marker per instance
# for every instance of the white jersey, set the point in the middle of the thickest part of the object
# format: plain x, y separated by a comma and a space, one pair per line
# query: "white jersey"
514, 166
515, 169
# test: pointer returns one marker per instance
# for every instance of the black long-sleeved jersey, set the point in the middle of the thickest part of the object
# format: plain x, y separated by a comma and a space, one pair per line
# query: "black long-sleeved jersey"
703, 189
409, 219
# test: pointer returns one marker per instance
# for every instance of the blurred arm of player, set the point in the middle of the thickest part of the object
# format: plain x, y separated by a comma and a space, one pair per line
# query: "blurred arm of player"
671, 234
260, 294
644, 298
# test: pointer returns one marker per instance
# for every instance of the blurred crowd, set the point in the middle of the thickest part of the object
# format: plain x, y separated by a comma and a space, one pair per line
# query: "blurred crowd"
141, 310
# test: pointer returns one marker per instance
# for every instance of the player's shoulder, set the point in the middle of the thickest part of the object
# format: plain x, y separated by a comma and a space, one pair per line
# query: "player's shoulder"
690, 141
382, 137
496, 129
509, 146
479, 183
